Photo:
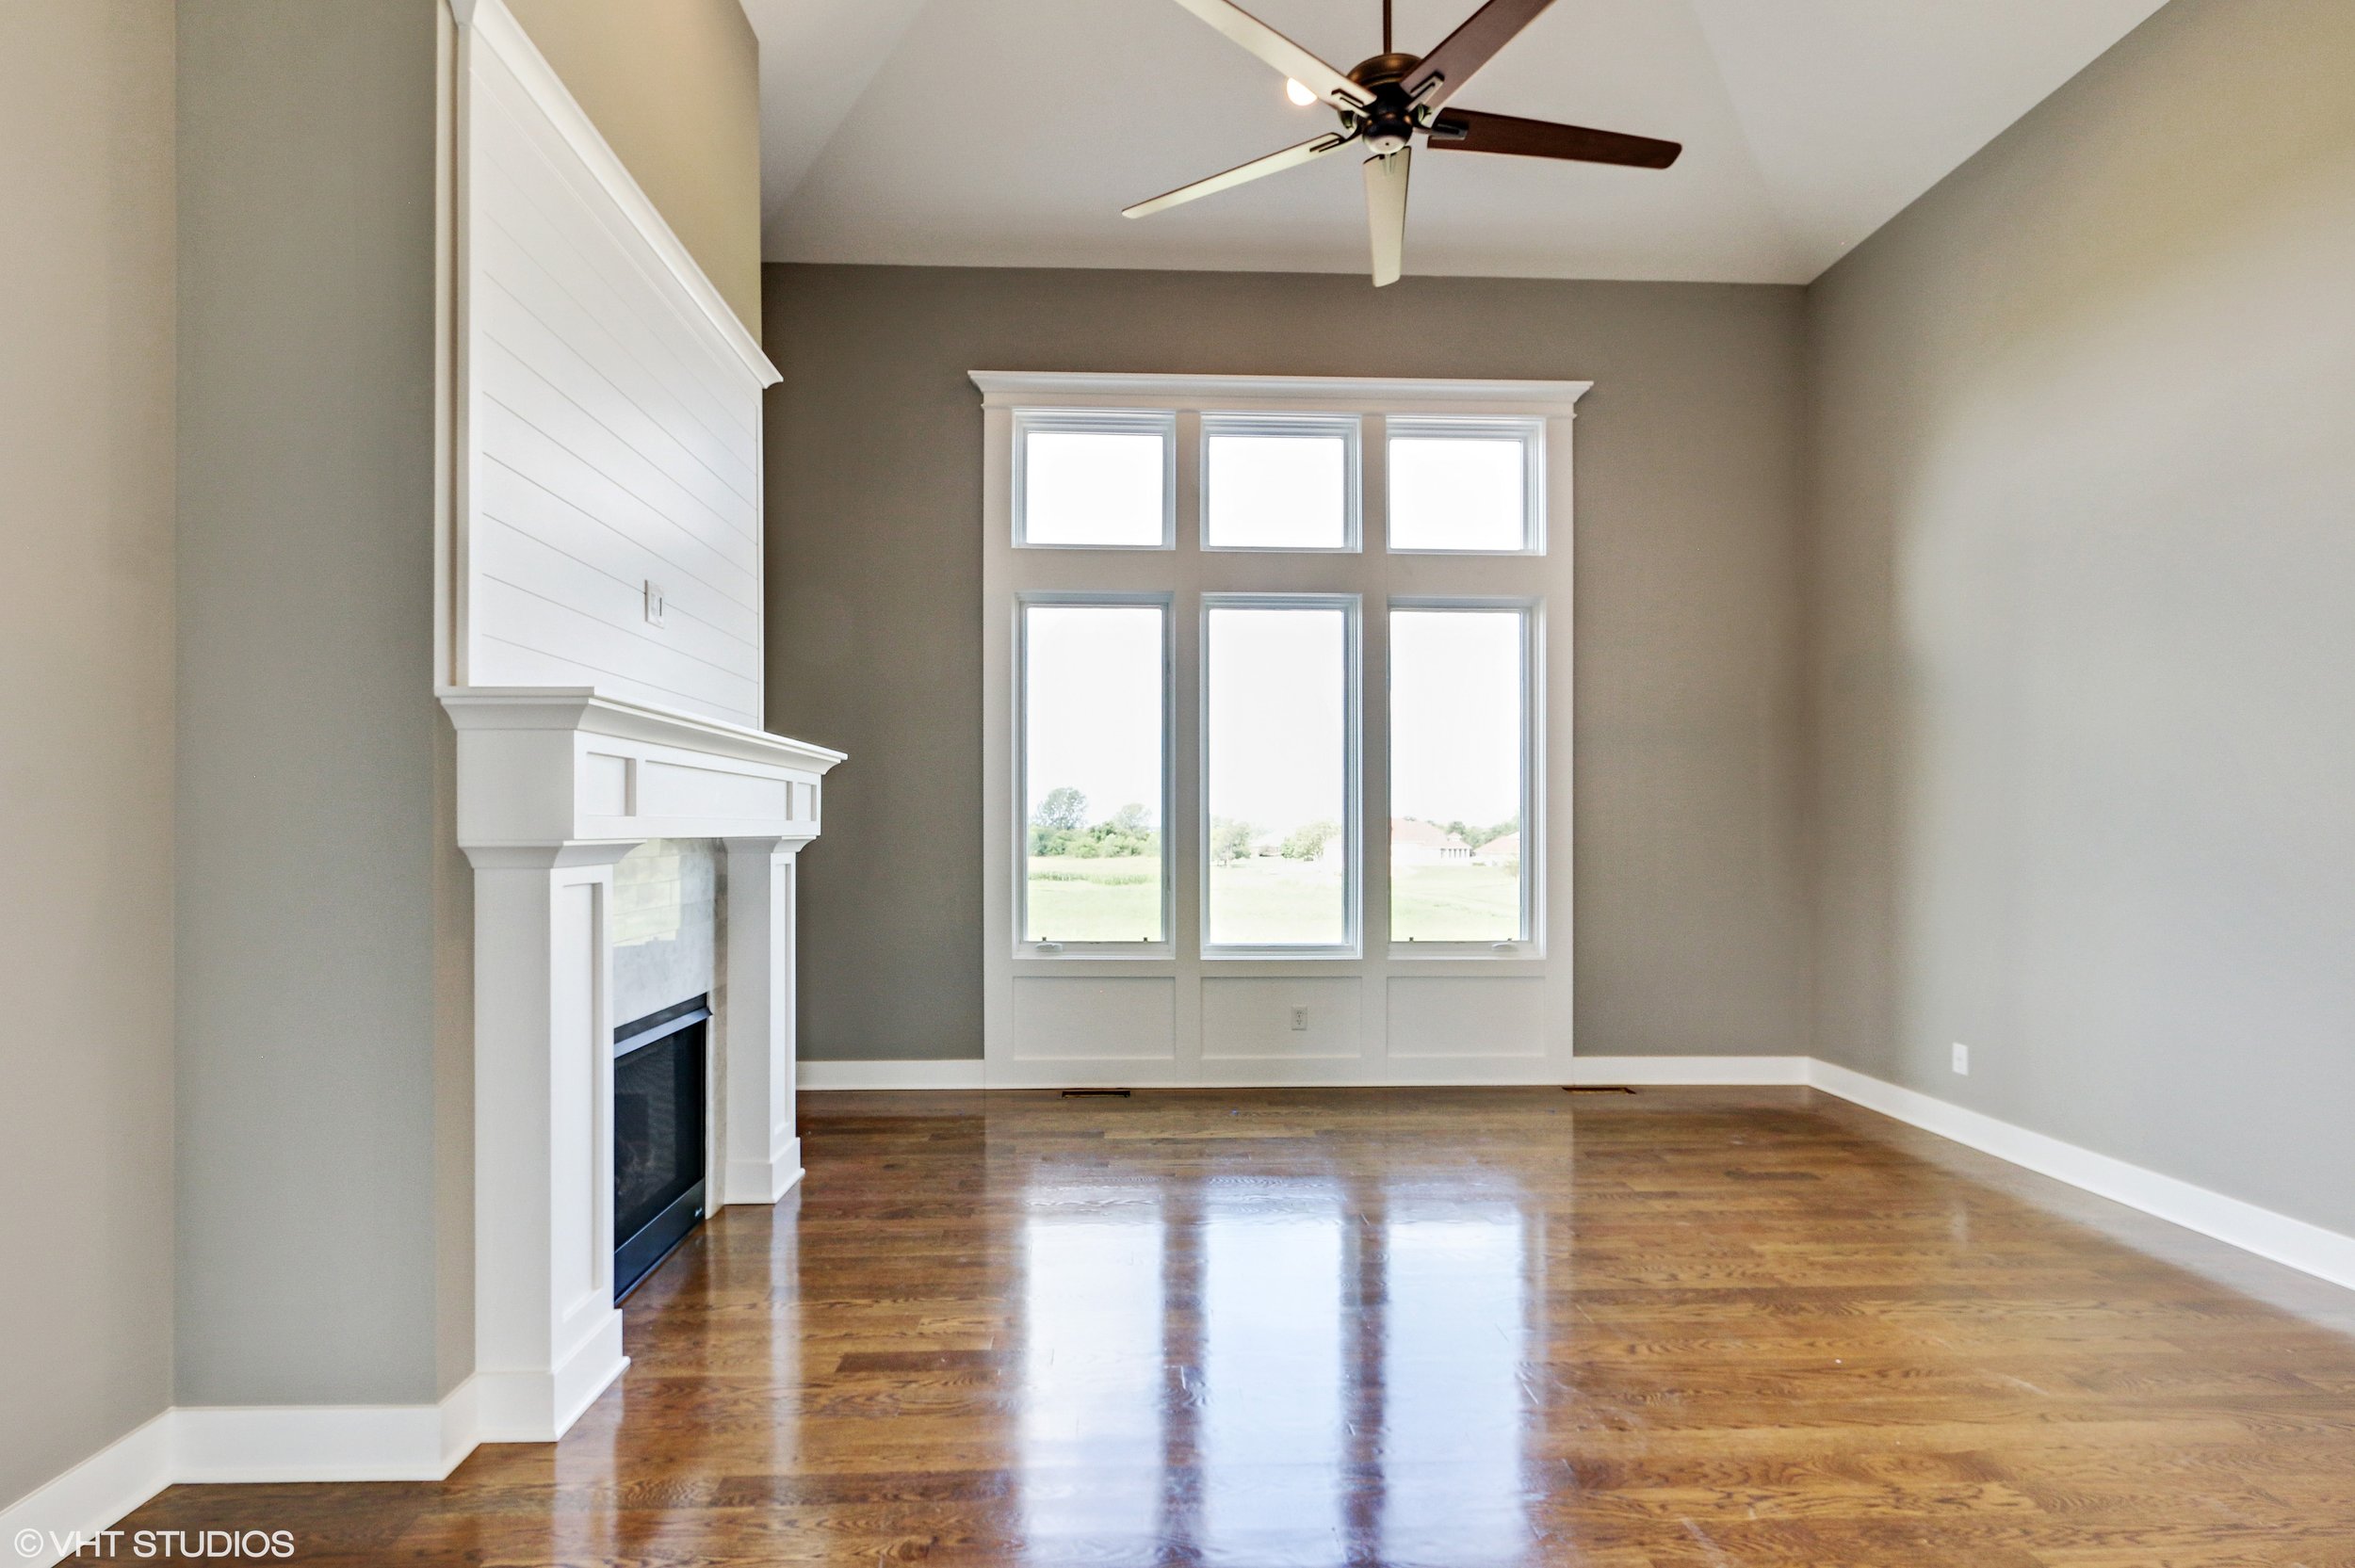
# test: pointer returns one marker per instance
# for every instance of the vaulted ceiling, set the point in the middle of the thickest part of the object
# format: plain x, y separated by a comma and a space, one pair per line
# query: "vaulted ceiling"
1012, 132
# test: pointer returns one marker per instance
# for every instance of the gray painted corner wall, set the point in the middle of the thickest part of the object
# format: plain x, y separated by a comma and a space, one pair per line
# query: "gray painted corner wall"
308, 733
1692, 909
2082, 591
85, 457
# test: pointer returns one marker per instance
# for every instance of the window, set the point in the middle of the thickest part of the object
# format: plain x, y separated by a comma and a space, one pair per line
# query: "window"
1095, 480
1271, 667
1280, 753
1095, 684
1460, 770
1466, 485
1279, 482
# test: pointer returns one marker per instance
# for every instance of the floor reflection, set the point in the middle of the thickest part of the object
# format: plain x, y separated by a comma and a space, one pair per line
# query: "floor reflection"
1285, 1370
1272, 1397
1092, 1398
1454, 1347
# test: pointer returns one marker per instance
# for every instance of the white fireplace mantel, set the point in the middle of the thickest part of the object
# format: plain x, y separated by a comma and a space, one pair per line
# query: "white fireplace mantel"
555, 784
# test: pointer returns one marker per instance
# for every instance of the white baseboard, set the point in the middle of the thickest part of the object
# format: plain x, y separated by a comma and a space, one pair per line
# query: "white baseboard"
1697, 1072
539, 1407
214, 1444
964, 1073
324, 1443
2325, 1255
60, 1517
762, 1182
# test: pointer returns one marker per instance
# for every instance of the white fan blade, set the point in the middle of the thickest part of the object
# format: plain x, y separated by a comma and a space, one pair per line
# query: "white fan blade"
1275, 163
1385, 213
1281, 52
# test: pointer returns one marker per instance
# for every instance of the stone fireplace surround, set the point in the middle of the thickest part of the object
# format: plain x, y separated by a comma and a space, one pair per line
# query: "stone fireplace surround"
555, 786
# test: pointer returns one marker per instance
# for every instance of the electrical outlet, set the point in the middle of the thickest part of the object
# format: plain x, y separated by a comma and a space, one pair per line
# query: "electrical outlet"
1300, 1019
654, 603
1962, 1058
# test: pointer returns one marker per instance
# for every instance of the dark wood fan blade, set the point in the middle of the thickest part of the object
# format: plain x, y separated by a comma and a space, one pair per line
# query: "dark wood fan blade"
1469, 130
1466, 49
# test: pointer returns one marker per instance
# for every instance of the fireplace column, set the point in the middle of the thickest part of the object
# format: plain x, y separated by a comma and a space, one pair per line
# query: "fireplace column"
548, 1338
761, 1156
554, 786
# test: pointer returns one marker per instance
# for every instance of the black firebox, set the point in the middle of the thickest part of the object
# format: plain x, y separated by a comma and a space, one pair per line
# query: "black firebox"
658, 1137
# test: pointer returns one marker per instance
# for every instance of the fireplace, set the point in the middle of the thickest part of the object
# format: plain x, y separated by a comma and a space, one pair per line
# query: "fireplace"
659, 1147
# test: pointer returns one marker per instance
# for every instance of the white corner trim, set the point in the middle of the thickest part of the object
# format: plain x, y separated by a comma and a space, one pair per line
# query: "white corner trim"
68, 1511
493, 26
200, 1443
758, 1182
962, 1072
2324, 1253
323, 1443
1328, 393
1696, 1071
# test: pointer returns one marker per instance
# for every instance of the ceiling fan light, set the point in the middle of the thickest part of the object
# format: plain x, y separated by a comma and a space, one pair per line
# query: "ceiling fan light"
1298, 93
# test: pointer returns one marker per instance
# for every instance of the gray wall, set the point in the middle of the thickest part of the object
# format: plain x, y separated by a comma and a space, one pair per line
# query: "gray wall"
2082, 680
1691, 907
86, 260
308, 731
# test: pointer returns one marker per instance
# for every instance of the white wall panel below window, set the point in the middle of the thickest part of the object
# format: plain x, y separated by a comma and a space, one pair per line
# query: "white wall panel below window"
1281, 1020
1458, 1018
1090, 1020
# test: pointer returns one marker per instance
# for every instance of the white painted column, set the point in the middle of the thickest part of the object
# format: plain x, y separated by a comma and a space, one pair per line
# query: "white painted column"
547, 1338
761, 1153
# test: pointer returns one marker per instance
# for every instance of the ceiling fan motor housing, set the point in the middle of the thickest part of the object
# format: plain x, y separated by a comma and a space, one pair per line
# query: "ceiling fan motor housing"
1388, 122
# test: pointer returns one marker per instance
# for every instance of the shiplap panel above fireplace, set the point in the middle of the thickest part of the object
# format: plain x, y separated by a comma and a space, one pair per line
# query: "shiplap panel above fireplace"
611, 528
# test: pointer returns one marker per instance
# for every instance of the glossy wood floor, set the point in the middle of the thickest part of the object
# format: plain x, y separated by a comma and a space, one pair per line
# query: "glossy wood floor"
1681, 1329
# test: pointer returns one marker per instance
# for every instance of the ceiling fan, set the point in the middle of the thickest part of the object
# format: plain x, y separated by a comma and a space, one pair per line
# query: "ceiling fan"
1386, 102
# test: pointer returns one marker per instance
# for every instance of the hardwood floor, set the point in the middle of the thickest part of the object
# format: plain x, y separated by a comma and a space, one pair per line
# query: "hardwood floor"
1680, 1329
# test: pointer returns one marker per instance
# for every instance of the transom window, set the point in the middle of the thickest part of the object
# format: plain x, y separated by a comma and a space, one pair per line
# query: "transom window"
1467, 485
1279, 482
1095, 480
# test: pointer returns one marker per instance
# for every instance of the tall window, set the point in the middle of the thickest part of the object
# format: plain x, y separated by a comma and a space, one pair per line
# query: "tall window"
1277, 696
1094, 771
1280, 753
1460, 768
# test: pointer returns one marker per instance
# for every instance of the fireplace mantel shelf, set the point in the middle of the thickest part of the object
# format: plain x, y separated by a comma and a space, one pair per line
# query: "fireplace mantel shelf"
546, 766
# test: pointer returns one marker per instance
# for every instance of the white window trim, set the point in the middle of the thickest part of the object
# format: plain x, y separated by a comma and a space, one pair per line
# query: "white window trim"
1528, 432
1532, 772
1350, 427
1162, 601
1398, 990
1159, 422
1353, 772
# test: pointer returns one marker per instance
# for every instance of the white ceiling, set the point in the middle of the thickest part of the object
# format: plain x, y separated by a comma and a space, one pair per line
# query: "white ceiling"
1010, 132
